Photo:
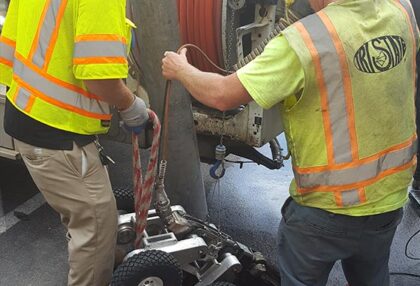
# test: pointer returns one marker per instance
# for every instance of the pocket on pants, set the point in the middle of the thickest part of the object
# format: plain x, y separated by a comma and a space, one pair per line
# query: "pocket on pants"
389, 221
83, 161
35, 155
317, 221
287, 210
324, 228
77, 160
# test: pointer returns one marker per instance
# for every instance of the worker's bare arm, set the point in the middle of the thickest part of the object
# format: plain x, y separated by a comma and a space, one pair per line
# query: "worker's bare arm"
211, 89
113, 91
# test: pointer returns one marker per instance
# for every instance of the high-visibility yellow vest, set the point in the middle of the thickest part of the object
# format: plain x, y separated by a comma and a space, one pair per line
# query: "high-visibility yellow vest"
47, 49
352, 132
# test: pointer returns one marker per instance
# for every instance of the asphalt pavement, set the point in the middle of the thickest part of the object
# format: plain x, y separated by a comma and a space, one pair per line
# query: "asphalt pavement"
245, 204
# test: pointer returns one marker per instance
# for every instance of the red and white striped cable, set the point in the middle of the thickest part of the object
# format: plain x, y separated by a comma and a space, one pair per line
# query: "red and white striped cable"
143, 191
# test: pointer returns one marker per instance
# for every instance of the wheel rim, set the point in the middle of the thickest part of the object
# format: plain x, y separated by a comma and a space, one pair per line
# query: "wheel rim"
151, 281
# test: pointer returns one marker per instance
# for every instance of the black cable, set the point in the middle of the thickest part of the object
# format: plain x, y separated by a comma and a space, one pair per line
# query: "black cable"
404, 274
407, 245
240, 162
409, 257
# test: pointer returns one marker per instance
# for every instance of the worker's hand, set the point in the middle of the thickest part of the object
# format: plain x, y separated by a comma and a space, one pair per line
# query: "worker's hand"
174, 64
136, 116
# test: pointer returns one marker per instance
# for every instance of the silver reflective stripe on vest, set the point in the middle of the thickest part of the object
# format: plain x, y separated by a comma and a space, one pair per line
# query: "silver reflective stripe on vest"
22, 98
330, 65
7, 52
357, 174
350, 198
409, 9
57, 92
46, 32
95, 49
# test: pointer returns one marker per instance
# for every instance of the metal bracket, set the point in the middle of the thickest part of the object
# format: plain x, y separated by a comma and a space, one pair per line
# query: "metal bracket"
260, 29
185, 251
230, 262
236, 4
244, 30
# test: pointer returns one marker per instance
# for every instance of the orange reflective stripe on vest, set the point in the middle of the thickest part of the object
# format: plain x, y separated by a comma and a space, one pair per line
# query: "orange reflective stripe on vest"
100, 49
345, 174
24, 99
57, 94
332, 179
47, 32
58, 45
7, 51
339, 128
34, 81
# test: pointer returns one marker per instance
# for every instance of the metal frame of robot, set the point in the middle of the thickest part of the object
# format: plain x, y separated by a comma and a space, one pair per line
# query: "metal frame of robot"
199, 252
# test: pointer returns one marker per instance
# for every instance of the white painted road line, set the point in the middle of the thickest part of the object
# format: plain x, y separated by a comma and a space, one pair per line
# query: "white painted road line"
27, 208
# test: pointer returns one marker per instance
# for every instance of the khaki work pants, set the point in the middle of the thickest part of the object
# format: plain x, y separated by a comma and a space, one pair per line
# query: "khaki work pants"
77, 186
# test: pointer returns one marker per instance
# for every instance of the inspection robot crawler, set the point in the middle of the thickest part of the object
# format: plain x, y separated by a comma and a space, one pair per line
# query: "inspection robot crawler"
178, 249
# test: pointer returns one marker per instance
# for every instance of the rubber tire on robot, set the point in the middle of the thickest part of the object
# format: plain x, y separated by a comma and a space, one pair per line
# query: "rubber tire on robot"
150, 263
124, 197
222, 283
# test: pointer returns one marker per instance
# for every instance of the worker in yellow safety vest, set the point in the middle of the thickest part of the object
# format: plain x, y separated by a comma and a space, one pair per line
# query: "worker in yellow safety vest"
64, 61
345, 78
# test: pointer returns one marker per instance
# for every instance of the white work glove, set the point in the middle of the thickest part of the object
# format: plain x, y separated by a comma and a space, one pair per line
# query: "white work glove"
135, 117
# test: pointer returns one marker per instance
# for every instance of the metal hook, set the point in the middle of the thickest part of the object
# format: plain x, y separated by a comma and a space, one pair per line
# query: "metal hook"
214, 169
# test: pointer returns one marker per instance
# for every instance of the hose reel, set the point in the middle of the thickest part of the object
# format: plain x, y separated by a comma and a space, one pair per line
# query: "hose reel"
216, 26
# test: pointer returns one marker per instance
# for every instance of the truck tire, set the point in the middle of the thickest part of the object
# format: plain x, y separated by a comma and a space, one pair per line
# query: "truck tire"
124, 197
148, 268
222, 283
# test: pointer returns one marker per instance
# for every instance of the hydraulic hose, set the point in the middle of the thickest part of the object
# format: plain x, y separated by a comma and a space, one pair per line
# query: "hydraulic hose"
276, 153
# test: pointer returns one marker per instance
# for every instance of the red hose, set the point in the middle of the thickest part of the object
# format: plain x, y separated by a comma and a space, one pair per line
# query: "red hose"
200, 24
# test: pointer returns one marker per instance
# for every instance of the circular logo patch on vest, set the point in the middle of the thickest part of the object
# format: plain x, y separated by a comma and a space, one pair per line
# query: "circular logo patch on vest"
380, 54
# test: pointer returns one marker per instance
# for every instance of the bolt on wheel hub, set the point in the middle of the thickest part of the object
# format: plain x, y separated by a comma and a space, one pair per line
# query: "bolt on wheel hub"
151, 281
